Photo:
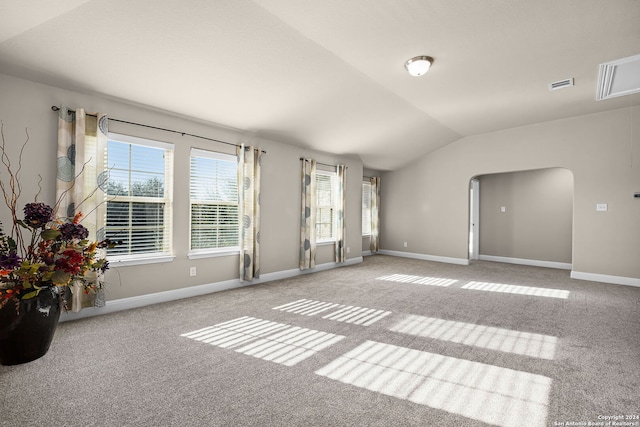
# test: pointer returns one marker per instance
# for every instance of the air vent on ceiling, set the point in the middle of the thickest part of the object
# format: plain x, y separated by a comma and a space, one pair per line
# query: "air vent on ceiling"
618, 78
561, 84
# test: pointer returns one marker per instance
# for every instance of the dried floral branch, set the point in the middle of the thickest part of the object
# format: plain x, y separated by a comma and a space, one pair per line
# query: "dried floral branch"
73, 184
35, 198
12, 194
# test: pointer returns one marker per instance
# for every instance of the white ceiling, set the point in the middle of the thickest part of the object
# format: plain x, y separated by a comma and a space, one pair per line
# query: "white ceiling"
329, 75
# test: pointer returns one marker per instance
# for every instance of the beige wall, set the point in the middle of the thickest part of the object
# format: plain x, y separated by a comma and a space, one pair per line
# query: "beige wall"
538, 215
426, 203
25, 104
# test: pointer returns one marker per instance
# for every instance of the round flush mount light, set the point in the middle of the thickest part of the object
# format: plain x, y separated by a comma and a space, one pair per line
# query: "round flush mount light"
418, 65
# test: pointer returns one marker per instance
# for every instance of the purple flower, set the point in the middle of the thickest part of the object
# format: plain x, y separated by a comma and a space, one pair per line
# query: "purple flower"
37, 215
10, 261
71, 231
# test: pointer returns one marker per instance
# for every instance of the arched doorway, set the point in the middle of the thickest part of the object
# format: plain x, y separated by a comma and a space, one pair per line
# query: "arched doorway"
523, 217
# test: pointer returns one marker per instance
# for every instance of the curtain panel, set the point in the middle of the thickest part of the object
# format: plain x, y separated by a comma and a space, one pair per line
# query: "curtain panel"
308, 215
375, 214
81, 175
341, 172
249, 168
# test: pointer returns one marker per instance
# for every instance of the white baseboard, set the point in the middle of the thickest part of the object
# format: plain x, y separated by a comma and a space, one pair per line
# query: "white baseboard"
193, 291
523, 261
367, 253
616, 280
448, 260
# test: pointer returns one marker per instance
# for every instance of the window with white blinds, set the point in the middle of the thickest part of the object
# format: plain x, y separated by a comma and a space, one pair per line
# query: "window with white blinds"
325, 206
366, 208
214, 201
139, 197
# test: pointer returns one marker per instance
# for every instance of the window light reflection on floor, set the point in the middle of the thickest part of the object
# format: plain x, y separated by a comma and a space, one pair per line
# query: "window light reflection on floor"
513, 289
506, 340
306, 307
339, 312
487, 393
419, 280
272, 341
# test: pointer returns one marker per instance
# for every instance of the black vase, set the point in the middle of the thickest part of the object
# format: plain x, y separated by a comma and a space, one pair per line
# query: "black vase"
26, 333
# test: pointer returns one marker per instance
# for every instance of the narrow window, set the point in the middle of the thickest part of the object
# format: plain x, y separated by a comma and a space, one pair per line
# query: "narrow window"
139, 197
366, 208
214, 201
325, 206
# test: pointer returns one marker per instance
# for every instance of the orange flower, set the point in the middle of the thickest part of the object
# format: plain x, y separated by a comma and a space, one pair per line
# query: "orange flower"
76, 219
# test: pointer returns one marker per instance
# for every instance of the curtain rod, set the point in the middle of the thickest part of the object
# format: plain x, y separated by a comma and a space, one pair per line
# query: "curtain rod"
56, 108
323, 164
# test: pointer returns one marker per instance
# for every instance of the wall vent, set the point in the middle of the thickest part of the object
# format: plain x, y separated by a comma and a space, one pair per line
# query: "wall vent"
619, 78
561, 84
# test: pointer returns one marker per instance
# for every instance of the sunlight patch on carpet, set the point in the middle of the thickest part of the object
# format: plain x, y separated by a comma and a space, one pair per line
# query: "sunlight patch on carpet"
513, 289
272, 341
419, 280
306, 307
487, 393
506, 340
339, 312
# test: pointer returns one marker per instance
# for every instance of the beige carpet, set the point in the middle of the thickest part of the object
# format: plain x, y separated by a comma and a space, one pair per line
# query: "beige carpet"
389, 342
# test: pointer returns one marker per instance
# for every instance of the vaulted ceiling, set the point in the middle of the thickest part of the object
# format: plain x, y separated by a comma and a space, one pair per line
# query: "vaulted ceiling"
329, 75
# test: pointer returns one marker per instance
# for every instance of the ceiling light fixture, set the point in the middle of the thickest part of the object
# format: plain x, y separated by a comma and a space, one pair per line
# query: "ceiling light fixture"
418, 65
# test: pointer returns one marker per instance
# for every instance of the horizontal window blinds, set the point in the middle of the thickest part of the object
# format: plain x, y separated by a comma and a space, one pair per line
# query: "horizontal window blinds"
214, 200
366, 208
325, 205
139, 196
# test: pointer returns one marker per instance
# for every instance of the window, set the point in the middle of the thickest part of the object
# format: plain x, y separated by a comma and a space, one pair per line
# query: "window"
214, 201
325, 206
366, 208
139, 197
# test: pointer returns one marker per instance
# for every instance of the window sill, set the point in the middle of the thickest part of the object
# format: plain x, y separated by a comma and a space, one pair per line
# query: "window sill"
325, 242
139, 260
213, 253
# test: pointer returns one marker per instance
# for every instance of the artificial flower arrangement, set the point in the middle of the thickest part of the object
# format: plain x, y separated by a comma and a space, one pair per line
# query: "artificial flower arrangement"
56, 254
43, 250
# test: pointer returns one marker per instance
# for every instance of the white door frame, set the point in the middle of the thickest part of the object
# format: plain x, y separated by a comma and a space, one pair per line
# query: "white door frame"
474, 219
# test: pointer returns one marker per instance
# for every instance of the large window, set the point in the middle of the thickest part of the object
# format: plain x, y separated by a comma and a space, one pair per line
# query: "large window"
139, 196
214, 201
366, 208
325, 206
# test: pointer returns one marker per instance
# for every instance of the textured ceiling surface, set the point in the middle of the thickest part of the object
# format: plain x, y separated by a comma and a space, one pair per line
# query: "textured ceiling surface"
329, 75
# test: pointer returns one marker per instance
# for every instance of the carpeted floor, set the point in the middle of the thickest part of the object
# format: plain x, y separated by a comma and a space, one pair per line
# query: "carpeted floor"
389, 342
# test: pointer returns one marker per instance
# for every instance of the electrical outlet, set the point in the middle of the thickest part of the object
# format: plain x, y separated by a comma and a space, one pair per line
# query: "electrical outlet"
405, 244
602, 207
192, 271
348, 249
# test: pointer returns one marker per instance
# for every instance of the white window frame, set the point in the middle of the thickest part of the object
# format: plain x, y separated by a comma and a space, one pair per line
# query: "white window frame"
366, 208
210, 252
166, 254
334, 183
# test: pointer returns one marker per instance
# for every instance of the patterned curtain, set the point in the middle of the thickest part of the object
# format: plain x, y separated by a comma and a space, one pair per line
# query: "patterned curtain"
341, 172
375, 214
249, 160
308, 215
82, 142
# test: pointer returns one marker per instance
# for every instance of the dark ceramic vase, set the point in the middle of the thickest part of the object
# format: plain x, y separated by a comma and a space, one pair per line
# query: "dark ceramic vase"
26, 333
